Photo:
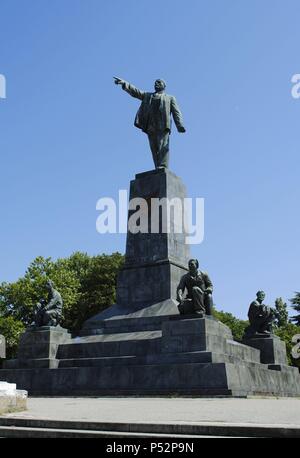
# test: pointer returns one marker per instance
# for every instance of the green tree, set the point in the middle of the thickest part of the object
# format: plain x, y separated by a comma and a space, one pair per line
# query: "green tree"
11, 329
97, 276
286, 334
296, 306
281, 313
19, 298
86, 283
236, 325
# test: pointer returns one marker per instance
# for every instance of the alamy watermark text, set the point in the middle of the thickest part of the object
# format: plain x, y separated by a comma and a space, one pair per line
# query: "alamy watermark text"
152, 216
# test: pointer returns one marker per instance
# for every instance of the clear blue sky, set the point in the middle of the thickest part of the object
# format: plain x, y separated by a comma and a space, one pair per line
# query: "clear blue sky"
67, 135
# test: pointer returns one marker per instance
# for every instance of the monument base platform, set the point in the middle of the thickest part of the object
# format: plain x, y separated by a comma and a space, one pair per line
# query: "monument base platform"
170, 355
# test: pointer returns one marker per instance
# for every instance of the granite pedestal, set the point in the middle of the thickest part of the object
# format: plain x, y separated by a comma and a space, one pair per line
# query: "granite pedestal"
154, 262
38, 347
272, 349
176, 356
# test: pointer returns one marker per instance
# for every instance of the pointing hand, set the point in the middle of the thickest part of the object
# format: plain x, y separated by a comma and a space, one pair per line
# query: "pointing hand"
118, 80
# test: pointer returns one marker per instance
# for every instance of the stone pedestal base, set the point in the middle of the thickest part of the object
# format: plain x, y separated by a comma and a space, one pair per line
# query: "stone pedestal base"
38, 347
166, 355
142, 287
157, 258
272, 349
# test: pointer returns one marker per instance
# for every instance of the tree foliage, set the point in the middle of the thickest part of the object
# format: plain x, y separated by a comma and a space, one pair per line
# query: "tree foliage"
86, 283
295, 301
286, 333
236, 325
11, 329
281, 313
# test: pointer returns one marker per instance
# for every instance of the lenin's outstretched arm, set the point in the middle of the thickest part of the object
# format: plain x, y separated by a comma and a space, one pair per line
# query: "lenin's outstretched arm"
132, 90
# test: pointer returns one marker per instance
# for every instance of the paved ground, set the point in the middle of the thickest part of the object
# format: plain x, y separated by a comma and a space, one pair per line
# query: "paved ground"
167, 410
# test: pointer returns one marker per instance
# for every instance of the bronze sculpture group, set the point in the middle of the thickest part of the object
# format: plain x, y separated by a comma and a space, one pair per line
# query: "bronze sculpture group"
198, 300
194, 291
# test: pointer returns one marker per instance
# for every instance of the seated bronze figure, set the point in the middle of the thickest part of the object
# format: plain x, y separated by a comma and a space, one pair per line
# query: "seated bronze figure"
199, 287
49, 313
260, 317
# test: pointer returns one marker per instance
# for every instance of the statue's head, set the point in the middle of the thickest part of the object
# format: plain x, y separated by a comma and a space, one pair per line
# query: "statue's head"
193, 265
159, 85
49, 285
260, 295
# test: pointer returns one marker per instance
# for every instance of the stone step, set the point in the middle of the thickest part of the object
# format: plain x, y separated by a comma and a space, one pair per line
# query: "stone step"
98, 362
52, 433
153, 342
29, 363
169, 378
118, 326
29, 427
117, 337
211, 379
242, 352
44, 433
164, 378
164, 358
137, 347
195, 357
130, 360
